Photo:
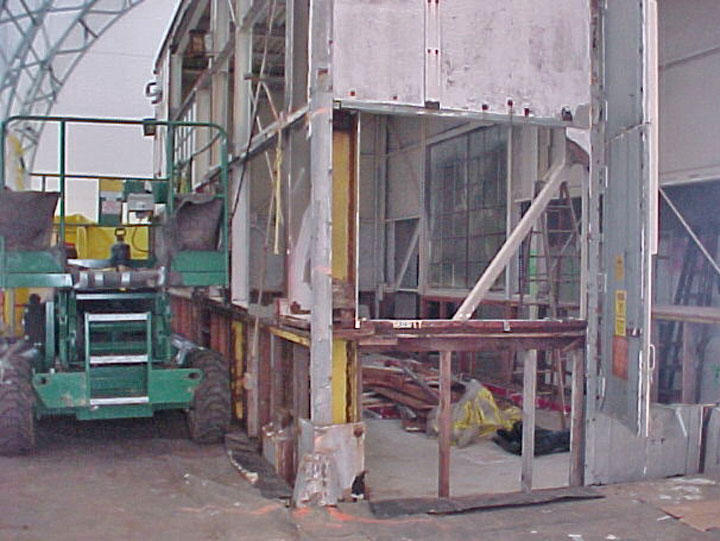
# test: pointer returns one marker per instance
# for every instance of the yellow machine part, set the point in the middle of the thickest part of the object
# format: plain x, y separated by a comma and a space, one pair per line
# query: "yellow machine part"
13, 309
92, 242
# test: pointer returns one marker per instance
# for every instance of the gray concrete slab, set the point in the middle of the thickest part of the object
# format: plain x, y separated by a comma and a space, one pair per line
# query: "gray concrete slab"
404, 464
143, 480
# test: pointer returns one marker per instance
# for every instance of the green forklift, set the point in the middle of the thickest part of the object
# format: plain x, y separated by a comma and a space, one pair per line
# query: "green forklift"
97, 340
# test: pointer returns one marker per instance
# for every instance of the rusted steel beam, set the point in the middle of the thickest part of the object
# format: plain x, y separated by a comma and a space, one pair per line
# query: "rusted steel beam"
504, 326
445, 343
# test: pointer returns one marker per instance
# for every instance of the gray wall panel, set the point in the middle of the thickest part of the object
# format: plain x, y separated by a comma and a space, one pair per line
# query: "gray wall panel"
378, 50
536, 53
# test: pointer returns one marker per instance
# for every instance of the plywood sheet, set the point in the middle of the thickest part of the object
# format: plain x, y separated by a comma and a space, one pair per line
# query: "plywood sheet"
701, 515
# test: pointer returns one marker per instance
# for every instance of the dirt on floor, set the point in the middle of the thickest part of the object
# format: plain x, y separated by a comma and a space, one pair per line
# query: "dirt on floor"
142, 479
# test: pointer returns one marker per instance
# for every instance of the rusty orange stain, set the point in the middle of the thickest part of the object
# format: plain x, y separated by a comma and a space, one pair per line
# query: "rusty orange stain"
266, 509
335, 513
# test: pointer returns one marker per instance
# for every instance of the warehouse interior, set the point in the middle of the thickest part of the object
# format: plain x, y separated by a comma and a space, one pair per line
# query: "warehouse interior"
429, 243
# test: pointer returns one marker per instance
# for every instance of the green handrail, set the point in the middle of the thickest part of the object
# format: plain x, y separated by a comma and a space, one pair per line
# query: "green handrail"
171, 125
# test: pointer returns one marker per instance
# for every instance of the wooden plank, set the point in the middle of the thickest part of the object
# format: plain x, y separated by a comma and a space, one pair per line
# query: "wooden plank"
403, 398
301, 382
429, 392
291, 335
444, 423
440, 506
528, 435
701, 515
695, 314
264, 381
276, 376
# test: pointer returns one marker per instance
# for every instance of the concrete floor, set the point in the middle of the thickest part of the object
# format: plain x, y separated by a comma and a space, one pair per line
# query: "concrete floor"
143, 480
404, 464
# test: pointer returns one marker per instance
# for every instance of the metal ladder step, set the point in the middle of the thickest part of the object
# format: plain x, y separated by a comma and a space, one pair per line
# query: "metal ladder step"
118, 359
120, 401
111, 318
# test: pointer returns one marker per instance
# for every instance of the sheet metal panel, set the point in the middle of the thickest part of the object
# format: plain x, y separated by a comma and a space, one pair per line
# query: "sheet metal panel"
536, 53
378, 50
712, 445
689, 85
671, 448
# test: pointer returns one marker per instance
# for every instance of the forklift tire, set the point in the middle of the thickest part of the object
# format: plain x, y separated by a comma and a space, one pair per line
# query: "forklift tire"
210, 412
17, 419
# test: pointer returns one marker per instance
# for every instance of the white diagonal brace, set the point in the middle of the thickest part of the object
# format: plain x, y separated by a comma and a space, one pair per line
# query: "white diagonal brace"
553, 178
690, 232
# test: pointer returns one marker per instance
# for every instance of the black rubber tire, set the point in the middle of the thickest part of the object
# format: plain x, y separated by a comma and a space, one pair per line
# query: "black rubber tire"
17, 418
210, 412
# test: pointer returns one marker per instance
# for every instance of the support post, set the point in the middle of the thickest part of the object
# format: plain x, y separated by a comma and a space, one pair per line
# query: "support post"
528, 434
61, 170
321, 112
689, 364
577, 421
592, 195
444, 424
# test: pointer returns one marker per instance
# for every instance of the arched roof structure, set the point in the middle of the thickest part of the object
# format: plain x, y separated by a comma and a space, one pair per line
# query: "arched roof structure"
41, 42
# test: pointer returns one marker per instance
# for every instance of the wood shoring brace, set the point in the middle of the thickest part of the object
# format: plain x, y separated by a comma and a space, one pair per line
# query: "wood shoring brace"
553, 178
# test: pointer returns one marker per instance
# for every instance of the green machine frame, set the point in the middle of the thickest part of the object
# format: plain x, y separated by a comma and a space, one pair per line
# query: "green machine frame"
107, 352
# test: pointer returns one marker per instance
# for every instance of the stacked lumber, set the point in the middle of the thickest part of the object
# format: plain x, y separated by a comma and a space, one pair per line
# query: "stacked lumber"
402, 388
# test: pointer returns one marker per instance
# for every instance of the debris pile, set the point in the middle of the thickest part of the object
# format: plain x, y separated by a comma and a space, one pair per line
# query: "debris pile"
546, 441
409, 390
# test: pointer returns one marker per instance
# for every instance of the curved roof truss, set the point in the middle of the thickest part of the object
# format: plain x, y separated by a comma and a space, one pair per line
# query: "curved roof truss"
41, 42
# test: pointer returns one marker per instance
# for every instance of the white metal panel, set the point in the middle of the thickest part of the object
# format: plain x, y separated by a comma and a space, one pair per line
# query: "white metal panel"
404, 184
536, 53
378, 50
687, 27
712, 445
689, 84
671, 448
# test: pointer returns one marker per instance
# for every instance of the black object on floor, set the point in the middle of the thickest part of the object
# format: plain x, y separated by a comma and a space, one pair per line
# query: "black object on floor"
480, 502
546, 441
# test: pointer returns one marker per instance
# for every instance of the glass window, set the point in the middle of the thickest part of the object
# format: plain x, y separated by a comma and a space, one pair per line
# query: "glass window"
466, 204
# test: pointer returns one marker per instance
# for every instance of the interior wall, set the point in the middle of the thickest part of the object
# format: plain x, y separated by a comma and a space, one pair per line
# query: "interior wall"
267, 268
367, 196
696, 202
689, 86
394, 150
299, 223
689, 150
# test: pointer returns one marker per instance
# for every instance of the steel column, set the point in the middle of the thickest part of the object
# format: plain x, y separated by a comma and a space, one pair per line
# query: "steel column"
321, 210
